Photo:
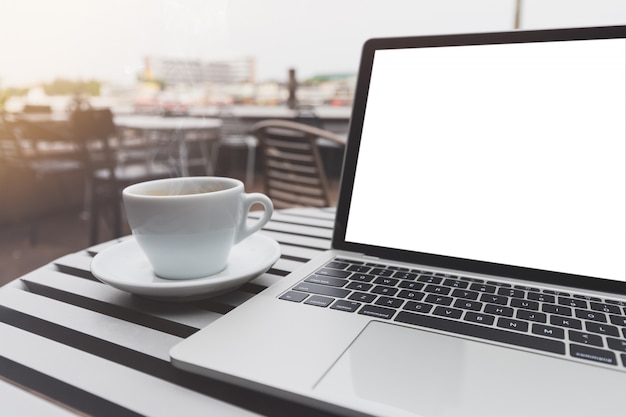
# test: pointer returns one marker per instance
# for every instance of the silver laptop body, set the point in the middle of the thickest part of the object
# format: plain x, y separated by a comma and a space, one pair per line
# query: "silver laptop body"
478, 261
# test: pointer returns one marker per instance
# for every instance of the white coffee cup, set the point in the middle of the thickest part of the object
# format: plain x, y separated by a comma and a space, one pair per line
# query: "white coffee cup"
187, 226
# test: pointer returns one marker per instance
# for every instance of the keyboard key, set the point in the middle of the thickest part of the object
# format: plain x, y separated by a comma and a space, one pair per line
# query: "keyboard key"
499, 310
572, 302
623, 359
454, 283
552, 292
600, 328
532, 316
618, 320
405, 275
482, 332
489, 289
384, 290
430, 279
357, 276
468, 305
337, 265
526, 288
587, 297
359, 286
453, 313
294, 296
411, 285
499, 284
439, 299
495, 299
518, 325
321, 290
605, 308
591, 315
526, 304
334, 282
555, 309
470, 279
345, 305
480, 318
544, 298
465, 294
376, 311
389, 302
398, 268
382, 272
411, 295
318, 300
436, 289
593, 354
510, 292
419, 307
333, 273
566, 322
362, 297
585, 338
548, 331
359, 268
616, 344
392, 282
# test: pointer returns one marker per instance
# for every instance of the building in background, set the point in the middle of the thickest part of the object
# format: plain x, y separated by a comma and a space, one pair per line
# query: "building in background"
175, 85
173, 72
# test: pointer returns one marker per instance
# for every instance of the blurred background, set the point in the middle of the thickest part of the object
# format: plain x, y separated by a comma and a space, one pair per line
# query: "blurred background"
232, 60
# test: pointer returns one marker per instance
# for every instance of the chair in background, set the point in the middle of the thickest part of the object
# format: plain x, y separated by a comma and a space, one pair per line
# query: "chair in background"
294, 170
32, 161
112, 165
233, 134
331, 152
307, 115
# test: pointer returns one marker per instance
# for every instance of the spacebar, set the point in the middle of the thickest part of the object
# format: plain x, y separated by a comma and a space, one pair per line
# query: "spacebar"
488, 333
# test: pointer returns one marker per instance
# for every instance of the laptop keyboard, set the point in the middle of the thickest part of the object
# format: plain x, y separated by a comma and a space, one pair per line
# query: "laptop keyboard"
580, 326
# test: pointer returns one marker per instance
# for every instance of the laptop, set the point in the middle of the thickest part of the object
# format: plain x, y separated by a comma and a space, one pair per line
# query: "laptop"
478, 255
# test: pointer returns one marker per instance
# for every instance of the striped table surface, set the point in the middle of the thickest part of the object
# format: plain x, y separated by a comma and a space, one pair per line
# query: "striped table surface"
72, 345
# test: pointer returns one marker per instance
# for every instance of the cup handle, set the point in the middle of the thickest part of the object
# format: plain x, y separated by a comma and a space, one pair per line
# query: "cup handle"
249, 200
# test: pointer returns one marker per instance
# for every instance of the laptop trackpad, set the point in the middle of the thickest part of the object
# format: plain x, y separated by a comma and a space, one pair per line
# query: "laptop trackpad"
430, 374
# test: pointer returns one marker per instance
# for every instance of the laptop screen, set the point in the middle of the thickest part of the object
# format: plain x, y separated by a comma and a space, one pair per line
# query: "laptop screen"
500, 152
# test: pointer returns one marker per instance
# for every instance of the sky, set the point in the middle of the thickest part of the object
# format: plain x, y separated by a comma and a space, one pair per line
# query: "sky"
108, 40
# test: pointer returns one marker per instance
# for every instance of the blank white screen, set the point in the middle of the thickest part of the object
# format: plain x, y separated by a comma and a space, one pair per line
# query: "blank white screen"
513, 154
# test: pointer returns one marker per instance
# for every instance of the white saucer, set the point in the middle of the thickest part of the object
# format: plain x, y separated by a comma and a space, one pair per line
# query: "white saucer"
125, 267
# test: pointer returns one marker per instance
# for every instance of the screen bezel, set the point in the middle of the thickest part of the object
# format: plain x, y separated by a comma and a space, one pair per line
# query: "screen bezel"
353, 146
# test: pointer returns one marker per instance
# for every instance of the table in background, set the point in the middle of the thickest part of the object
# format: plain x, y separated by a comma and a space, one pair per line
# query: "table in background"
180, 132
73, 345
